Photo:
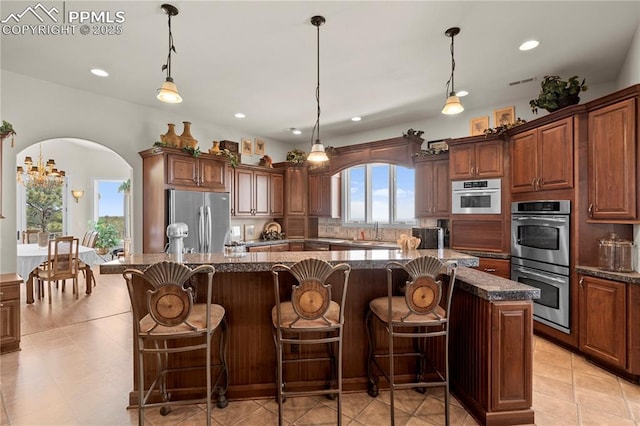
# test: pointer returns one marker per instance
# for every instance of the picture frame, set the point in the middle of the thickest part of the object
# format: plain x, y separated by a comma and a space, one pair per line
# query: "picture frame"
504, 116
479, 125
437, 146
236, 233
247, 146
259, 147
249, 232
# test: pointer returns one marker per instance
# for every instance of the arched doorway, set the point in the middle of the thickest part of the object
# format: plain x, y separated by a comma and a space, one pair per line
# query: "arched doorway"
90, 168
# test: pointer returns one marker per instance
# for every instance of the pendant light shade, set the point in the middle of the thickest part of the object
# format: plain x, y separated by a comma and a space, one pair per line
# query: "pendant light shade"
452, 105
169, 92
317, 154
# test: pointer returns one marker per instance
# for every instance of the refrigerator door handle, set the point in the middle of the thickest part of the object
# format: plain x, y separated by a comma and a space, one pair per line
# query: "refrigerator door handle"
201, 230
207, 233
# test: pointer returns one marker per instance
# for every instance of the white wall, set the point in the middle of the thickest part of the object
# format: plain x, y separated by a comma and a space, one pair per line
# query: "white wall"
41, 110
630, 71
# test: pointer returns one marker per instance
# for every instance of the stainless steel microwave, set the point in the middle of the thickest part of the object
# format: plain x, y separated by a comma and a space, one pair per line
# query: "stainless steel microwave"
476, 196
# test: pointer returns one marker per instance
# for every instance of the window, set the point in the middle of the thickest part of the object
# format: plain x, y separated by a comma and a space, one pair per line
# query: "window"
109, 204
378, 192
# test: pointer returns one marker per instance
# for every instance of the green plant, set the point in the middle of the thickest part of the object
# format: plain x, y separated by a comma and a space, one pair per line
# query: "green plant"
501, 130
107, 234
195, 152
125, 186
231, 156
556, 93
296, 156
6, 129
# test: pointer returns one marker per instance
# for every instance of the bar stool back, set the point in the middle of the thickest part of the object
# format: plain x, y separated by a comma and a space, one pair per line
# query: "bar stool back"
310, 317
169, 321
421, 313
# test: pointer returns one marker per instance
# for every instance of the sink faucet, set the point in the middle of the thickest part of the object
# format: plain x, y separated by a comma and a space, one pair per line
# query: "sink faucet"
376, 230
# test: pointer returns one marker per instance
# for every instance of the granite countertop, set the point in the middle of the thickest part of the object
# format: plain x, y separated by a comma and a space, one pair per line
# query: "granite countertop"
355, 243
481, 284
627, 277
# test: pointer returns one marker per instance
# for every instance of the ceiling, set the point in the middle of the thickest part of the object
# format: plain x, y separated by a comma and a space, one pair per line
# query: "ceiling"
387, 61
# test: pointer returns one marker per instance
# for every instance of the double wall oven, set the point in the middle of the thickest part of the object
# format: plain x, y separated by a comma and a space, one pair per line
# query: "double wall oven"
540, 256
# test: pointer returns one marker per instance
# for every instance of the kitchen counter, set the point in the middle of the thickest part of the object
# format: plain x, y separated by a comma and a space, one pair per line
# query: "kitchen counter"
490, 341
627, 277
364, 244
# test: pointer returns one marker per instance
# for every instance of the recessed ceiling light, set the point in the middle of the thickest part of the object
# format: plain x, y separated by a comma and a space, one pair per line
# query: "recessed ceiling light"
239, 115
296, 132
356, 118
99, 72
461, 93
529, 44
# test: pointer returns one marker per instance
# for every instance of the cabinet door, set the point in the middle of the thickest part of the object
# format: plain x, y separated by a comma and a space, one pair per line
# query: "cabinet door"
441, 189
259, 249
212, 174
489, 159
461, 161
296, 191
279, 247
498, 267
182, 171
277, 194
230, 188
524, 161
612, 161
9, 325
423, 188
244, 192
603, 320
555, 151
262, 193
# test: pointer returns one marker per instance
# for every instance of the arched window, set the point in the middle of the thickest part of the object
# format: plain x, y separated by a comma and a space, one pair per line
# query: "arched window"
378, 192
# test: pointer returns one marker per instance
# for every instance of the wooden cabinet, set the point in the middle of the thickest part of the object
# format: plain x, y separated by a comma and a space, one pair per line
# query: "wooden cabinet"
603, 320
498, 267
295, 191
277, 247
542, 158
258, 192
613, 161
10, 312
477, 232
207, 174
316, 246
432, 186
324, 195
475, 160
296, 246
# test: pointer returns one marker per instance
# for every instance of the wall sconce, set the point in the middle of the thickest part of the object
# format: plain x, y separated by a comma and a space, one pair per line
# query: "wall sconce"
77, 194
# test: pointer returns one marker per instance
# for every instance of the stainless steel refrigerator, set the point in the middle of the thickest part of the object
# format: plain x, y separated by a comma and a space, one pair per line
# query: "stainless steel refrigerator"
207, 216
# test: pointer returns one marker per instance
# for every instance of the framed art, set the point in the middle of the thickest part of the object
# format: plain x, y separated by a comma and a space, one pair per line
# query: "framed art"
249, 232
438, 146
479, 125
259, 146
504, 116
247, 146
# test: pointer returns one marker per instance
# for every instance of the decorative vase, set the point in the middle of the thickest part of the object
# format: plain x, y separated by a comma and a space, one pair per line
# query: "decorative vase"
186, 140
43, 239
171, 138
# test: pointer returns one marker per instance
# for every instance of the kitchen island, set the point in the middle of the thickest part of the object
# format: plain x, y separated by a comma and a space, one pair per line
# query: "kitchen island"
491, 330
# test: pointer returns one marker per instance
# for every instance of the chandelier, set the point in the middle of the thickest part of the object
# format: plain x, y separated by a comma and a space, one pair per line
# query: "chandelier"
40, 174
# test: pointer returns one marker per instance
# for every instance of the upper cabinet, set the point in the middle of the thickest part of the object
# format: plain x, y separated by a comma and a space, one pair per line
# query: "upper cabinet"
258, 192
324, 195
295, 190
208, 174
476, 160
542, 158
433, 190
613, 160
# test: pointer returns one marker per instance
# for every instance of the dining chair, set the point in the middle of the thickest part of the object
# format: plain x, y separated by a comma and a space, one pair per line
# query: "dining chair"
30, 236
62, 264
88, 240
170, 318
305, 315
417, 306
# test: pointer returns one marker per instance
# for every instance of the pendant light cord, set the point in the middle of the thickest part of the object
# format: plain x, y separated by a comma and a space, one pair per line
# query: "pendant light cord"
316, 127
167, 66
453, 67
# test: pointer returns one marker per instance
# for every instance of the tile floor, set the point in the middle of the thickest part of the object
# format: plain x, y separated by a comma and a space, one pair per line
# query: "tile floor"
75, 368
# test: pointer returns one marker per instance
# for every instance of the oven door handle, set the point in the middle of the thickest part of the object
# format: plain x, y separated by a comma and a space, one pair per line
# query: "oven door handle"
536, 274
541, 218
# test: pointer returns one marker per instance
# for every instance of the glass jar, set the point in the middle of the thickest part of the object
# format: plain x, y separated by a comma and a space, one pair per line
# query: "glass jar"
624, 256
607, 252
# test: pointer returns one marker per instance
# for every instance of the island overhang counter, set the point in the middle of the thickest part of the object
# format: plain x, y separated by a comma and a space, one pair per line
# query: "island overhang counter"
490, 338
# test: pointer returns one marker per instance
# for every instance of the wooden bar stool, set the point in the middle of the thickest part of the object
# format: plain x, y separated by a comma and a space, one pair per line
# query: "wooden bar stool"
168, 322
308, 315
417, 309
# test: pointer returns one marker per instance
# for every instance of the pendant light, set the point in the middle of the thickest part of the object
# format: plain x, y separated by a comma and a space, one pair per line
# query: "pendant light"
169, 92
453, 105
317, 153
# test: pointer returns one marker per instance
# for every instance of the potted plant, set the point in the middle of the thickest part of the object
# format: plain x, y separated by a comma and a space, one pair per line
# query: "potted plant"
556, 93
296, 156
107, 236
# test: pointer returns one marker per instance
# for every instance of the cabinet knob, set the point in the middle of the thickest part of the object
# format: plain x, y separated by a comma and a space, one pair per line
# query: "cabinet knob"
533, 183
489, 269
581, 281
590, 210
